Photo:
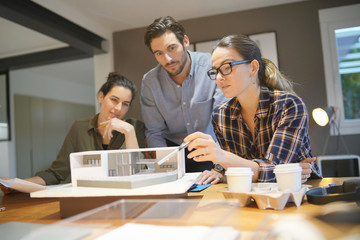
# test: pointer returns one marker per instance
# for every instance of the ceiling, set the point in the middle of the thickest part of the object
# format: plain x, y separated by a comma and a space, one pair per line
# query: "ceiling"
112, 15
118, 15
127, 14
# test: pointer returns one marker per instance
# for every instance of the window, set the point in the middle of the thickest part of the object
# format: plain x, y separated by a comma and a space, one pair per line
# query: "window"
348, 53
340, 36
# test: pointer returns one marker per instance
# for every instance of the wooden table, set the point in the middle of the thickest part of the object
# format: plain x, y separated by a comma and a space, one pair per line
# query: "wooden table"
251, 216
20, 207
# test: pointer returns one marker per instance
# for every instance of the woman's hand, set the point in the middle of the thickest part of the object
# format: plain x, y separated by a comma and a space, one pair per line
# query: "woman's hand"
123, 127
306, 168
6, 190
212, 177
117, 125
203, 148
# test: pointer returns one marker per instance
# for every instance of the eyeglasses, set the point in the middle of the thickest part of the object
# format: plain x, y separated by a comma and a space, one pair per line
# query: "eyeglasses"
224, 69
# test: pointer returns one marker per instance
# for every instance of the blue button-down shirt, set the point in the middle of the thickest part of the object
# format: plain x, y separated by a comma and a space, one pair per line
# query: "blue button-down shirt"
171, 111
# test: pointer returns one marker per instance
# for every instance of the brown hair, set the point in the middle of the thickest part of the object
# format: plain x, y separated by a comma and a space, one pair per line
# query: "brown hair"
162, 25
268, 74
116, 79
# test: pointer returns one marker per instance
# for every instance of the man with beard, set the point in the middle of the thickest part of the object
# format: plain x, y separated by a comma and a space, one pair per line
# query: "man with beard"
177, 97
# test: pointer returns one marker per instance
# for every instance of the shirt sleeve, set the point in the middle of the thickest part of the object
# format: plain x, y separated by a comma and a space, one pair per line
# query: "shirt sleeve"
59, 171
291, 122
154, 122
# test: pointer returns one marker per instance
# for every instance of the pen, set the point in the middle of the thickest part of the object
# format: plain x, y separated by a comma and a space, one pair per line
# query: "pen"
100, 127
106, 123
164, 159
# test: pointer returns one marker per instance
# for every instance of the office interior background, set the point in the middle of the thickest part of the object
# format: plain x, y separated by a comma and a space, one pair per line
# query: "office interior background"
44, 99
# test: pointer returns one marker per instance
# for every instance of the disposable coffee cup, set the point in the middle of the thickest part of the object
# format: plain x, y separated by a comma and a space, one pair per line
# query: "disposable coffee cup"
239, 179
288, 177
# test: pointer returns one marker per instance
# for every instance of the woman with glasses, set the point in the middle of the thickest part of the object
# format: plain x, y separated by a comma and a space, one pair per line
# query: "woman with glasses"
262, 125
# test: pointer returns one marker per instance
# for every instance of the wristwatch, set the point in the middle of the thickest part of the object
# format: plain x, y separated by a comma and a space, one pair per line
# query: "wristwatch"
219, 168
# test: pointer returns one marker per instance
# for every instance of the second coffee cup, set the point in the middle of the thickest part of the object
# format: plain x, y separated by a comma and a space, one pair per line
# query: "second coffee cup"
288, 176
239, 179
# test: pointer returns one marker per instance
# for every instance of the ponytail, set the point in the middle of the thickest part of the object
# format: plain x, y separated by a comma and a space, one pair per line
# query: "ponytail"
273, 78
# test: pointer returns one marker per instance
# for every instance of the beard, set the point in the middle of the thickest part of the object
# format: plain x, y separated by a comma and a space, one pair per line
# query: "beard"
182, 63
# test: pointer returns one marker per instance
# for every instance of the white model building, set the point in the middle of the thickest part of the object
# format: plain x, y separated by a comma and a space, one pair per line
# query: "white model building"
128, 168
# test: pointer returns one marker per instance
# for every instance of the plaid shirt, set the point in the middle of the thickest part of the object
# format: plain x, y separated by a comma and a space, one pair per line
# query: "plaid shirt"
281, 131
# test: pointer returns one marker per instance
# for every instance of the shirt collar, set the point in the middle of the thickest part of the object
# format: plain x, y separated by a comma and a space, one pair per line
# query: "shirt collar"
264, 103
192, 67
93, 123
235, 108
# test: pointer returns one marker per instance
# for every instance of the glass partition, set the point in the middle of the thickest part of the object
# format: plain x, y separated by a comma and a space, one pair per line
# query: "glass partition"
149, 219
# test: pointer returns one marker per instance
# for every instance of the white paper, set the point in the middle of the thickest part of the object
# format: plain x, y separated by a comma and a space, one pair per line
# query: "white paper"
135, 231
22, 185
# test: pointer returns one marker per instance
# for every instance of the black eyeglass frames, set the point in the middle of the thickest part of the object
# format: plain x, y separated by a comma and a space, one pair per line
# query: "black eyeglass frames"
224, 69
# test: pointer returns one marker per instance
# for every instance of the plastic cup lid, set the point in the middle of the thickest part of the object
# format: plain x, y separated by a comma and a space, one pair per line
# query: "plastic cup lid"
239, 171
287, 167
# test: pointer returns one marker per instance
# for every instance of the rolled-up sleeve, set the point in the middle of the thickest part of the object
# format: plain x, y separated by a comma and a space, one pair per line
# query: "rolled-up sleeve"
59, 171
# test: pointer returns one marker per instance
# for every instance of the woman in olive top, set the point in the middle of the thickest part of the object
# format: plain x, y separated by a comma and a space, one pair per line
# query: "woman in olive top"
104, 131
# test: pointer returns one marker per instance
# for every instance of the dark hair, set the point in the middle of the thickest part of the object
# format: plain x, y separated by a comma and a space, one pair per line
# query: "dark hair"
268, 74
160, 26
116, 79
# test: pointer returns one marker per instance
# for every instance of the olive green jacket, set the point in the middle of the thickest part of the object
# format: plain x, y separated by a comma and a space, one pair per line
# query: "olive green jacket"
84, 136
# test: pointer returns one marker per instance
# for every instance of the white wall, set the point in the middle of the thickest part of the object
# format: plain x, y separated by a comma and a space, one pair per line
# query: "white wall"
32, 82
53, 87
103, 63
71, 82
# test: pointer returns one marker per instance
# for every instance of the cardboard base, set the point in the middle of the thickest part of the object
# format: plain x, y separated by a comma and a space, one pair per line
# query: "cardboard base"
74, 200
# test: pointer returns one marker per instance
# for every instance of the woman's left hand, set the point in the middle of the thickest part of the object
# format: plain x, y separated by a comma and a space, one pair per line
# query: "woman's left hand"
211, 176
306, 168
117, 125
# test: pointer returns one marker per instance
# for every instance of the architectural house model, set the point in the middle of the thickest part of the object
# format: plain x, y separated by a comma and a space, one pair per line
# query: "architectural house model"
128, 168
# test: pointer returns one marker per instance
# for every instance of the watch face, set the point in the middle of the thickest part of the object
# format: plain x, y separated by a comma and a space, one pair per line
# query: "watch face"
219, 168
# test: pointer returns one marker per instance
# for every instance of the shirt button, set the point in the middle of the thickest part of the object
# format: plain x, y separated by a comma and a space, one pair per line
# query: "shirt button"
178, 86
188, 124
184, 103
